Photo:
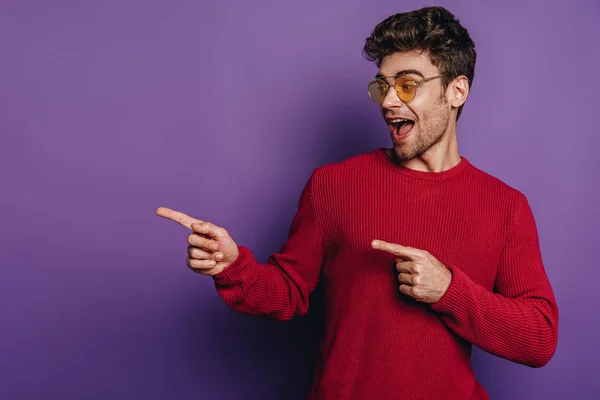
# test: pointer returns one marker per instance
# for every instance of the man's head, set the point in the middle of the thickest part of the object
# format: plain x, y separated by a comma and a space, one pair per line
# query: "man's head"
434, 52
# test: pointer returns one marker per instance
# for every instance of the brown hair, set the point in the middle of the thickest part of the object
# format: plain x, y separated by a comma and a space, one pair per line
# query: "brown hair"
434, 30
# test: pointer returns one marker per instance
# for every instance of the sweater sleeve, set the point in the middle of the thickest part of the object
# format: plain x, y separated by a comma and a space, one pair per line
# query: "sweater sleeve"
280, 288
519, 320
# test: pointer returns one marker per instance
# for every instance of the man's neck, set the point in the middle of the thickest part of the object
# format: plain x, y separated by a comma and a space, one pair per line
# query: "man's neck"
439, 157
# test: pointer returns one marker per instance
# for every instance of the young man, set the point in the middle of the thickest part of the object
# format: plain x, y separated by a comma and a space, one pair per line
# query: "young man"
421, 254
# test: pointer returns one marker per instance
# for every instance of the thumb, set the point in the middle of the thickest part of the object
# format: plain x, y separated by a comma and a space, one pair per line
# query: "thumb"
210, 230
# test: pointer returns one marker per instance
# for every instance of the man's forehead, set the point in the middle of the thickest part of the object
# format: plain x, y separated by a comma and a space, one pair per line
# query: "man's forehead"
406, 62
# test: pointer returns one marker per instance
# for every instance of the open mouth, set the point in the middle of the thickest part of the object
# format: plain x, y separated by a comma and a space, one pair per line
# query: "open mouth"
401, 127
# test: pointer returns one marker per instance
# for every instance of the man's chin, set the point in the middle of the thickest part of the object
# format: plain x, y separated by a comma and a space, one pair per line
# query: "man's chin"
402, 152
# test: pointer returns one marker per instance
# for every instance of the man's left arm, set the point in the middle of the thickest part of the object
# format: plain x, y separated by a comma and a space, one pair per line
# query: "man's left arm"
518, 321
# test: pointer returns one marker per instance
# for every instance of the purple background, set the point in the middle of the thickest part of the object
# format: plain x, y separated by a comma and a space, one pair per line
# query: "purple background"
221, 109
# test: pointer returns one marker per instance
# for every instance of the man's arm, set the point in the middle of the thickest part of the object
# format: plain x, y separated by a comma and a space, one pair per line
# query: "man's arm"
279, 289
519, 321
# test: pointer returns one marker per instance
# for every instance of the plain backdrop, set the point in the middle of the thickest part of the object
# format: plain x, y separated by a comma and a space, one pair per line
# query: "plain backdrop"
222, 109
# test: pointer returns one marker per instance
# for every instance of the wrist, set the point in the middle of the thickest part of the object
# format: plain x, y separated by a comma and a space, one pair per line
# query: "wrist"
446, 285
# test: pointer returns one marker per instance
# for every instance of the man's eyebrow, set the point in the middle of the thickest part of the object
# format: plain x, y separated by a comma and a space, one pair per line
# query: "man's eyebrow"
402, 72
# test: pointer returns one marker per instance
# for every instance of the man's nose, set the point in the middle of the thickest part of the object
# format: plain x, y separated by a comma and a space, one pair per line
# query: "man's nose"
391, 99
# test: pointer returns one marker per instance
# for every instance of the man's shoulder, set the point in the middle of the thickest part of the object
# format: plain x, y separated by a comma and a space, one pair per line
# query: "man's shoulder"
494, 187
328, 179
347, 166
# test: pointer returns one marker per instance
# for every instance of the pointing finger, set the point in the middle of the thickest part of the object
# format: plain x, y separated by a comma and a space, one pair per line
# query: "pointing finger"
408, 253
177, 216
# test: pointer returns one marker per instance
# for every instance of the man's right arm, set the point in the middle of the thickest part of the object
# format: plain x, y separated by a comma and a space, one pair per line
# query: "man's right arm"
279, 289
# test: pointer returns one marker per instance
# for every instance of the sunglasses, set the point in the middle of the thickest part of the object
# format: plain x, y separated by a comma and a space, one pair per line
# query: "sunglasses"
406, 87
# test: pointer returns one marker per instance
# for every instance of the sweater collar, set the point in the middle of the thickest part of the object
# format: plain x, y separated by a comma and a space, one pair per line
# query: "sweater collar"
425, 175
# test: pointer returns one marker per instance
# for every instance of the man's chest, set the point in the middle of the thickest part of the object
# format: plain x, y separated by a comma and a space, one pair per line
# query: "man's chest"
458, 231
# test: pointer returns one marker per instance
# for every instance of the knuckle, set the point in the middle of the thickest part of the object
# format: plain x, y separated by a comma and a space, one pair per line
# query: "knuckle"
416, 268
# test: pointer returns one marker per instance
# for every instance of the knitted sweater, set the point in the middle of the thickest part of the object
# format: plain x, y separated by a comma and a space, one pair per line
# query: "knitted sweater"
379, 343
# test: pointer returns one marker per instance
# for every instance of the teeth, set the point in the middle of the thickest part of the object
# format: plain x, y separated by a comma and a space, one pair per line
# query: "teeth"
397, 121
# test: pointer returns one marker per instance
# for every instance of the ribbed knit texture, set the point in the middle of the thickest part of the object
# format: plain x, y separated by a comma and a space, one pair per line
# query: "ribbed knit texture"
378, 343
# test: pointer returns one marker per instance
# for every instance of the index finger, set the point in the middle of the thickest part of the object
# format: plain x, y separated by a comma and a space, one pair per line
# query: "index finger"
177, 216
401, 251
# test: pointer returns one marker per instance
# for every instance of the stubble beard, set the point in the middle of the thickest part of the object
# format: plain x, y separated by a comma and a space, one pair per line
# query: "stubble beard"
429, 135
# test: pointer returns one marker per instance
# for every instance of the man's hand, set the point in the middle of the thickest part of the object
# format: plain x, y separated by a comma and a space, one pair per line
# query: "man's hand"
210, 249
422, 276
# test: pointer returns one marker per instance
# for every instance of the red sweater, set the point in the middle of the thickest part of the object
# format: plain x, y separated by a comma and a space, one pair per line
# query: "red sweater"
379, 343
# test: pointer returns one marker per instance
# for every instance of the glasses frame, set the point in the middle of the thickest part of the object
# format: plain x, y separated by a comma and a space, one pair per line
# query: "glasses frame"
417, 84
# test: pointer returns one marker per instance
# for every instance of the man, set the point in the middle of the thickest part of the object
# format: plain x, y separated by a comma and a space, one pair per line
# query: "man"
421, 254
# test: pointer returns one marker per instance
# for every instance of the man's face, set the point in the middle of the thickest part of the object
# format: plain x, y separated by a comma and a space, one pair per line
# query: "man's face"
428, 113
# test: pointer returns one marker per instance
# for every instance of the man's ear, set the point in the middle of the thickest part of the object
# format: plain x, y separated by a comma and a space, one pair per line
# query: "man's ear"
458, 91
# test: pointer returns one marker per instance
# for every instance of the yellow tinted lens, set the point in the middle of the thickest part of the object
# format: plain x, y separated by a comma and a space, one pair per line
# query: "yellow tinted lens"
406, 88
